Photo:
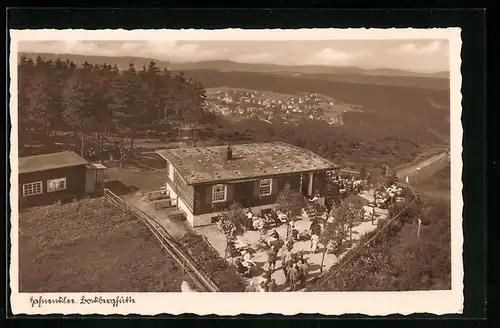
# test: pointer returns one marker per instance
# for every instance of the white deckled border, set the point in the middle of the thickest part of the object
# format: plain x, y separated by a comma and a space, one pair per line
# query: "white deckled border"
379, 303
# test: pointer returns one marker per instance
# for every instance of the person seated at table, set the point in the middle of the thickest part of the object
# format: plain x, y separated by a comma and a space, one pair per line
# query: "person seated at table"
305, 216
274, 234
257, 223
268, 218
247, 259
315, 197
240, 268
281, 216
274, 238
238, 244
274, 217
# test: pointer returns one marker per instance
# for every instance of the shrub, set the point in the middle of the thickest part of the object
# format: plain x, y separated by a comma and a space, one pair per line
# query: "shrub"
215, 267
397, 260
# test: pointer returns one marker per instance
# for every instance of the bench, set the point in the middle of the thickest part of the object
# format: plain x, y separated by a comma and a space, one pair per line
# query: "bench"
164, 203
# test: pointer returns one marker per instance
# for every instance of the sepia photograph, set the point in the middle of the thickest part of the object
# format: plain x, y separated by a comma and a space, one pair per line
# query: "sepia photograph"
325, 164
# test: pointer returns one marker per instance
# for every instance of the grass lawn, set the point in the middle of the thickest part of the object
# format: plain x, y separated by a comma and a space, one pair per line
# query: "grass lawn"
91, 246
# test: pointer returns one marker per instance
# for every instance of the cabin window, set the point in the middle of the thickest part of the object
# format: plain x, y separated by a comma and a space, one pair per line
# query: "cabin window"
56, 185
265, 187
219, 193
34, 188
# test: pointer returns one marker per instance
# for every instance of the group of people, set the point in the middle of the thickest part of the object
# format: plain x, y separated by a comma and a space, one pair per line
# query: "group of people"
263, 220
295, 269
244, 263
384, 196
348, 185
265, 284
111, 152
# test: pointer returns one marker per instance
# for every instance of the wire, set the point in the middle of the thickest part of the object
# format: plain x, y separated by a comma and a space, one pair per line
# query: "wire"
143, 165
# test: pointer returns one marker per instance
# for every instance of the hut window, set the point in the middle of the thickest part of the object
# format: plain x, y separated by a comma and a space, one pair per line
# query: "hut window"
265, 187
219, 193
56, 185
34, 188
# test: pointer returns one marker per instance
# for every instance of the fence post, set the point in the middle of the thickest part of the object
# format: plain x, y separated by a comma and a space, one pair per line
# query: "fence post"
82, 152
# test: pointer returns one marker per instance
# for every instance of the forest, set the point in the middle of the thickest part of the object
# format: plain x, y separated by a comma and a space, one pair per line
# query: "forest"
61, 96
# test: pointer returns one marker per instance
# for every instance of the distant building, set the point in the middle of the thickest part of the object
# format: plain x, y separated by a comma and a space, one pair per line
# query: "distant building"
206, 180
46, 179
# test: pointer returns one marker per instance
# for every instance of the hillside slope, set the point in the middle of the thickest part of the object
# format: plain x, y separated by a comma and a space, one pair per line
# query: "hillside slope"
388, 111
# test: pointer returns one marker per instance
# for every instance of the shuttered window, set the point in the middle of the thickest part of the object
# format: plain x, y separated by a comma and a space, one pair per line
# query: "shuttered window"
219, 193
34, 188
265, 187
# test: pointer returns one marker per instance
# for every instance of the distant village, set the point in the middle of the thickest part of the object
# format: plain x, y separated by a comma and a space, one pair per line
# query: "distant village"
260, 105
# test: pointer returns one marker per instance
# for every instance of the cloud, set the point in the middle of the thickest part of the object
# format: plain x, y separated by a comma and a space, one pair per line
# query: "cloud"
364, 54
330, 56
163, 50
419, 50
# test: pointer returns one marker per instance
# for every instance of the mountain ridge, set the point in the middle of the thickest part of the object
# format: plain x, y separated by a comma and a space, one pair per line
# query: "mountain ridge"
231, 66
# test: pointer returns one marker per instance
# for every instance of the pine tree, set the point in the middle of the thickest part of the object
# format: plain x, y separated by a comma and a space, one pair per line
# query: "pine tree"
39, 101
26, 72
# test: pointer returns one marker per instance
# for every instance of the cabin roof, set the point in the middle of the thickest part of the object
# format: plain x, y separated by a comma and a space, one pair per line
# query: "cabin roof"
49, 162
209, 164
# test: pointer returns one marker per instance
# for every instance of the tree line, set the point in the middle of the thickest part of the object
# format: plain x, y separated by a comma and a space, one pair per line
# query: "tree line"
59, 95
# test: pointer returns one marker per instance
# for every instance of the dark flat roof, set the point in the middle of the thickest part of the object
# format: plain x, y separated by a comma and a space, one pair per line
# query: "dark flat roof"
49, 162
209, 164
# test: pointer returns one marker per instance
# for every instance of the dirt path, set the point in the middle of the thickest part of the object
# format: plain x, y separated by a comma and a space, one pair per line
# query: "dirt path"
427, 168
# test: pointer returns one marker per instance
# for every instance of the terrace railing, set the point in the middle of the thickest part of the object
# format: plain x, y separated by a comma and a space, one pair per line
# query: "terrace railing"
354, 252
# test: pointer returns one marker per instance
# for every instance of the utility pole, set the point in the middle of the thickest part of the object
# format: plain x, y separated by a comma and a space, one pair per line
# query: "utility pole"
373, 214
99, 145
121, 153
195, 126
82, 151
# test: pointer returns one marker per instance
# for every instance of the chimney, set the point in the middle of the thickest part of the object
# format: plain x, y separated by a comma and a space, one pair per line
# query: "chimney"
229, 152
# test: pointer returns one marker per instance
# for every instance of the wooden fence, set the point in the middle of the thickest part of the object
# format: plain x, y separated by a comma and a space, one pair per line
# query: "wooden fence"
173, 248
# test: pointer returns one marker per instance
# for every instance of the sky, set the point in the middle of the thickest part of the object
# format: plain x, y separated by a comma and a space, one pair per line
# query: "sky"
422, 56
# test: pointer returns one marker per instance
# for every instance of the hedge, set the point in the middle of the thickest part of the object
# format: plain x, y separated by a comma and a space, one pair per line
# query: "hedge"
215, 267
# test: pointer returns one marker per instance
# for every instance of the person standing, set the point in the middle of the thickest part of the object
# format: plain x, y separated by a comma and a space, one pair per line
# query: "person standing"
286, 272
314, 243
249, 219
271, 258
251, 287
271, 287
287, 256
293, 277
304, 269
